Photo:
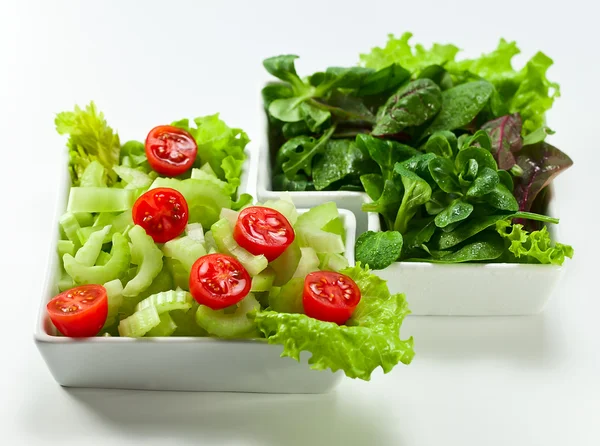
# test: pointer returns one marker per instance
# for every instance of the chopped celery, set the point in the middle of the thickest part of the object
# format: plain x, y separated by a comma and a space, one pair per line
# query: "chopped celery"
336, 226
99, 199
228, 325
263, 281
139, 323
224, 239
166, 327
147, 256
199, 174
103, 258
195, 232
207, 169
126, 161
186, 322
181, 276
230, 215
135, 179
319, 216
332, 262
162, 282
309, 262
65, 247
288, 298
94, 175
209, 242
184, 249
104, 219
120, 222
84, 218
84, 234
116, 266
70, 226
285, 207
88, 253
65, 282
167, 301
286, 264
321, 241
114, 293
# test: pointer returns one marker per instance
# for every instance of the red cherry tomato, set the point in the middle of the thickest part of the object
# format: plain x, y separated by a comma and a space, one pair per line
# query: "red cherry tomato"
162, 212
261, 230
170, 150
330, 296
219, 281
79, 312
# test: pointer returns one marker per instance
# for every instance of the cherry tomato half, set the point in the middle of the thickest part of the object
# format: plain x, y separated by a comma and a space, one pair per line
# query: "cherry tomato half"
219, 281
330, 296
261, 230
79, 312
162, 212
170, 150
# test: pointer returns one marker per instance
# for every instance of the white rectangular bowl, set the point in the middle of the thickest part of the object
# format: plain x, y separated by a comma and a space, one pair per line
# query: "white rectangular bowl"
177, 363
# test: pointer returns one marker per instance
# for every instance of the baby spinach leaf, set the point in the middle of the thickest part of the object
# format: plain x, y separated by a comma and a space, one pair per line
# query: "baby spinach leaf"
283, 67
384, 152
505, 134
488, 246
419, 164
442, 172
501, 198
506, 179
460, 105
486, 181
341, 158
438, 144
483, 157
301, 157
416, 193
276, 90
313, 116
480, 139
373, 185
378, 250
342, 77
387, 204
438, 202
420, 234
412, 105
380, 81
469, 173
540, 163
345, 107
438, 75
287, 110
457, 211
446, 240
292, 129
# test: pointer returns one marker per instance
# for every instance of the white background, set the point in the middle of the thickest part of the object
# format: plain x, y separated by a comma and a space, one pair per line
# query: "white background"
495, 381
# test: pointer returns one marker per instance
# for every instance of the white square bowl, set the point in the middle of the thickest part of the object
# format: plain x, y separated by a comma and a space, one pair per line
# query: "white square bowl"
175, 363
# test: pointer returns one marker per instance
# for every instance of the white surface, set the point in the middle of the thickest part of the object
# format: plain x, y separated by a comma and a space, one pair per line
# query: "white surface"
475, 381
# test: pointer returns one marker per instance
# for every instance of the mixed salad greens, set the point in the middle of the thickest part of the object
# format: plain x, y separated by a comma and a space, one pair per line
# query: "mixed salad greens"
156, 242
451, 152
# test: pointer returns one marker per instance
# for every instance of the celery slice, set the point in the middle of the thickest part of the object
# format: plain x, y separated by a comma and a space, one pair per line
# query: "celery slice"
309, 262
181, 276
139, 323
332, 262
103, 258
114, 293
135, 179
336, 226
286, 264
65, 247
99, 199
162, 282
210, 243
230, 215
84, 218
65, 282
321, 241
147, 256
263, 281
288, 298
166, 327
228, 325
285, 207
199, 174
88, 253
319, 216
93, 175
223, 236
167, 301
184, 249
116, 266
207, 169
70, 226
195, 232
186, 322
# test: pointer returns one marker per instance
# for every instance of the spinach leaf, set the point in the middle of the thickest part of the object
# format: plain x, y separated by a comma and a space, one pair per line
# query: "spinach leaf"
469, 173
412, 105
283, 67
314, 117
373, 185
292, 129
416, 193
420, 165
488, 246
438, 202
380, 81
345, 107
505, 134
301, 157
439, 145
439, 75
503, 199
418, 235
384, 152
486, 181
479, 139
341, 158
446, 240
387, 204
276, 90
460, 105
287, 110
483, 157
378, 250
457, 211
443, 173
506, 179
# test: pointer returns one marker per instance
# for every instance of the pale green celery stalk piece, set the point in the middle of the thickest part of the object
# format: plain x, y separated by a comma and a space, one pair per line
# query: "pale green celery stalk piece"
116, 266
126, 161
100, 199
147, 256
263, 281
104, 219
288, 298
321, 241
166, 327
88, 253
139, 323
223, 236
195, 232
228, 325
207, 169
286, 208
332, 262
93, 175
319, 216
84, 234
65, 247
84, 218
135, 179
185, 250
70, 226
309, 262
103, 258
209, 242
65, 282
114, 293
230, 215
181, 276
167, 301
286, 264
186, 322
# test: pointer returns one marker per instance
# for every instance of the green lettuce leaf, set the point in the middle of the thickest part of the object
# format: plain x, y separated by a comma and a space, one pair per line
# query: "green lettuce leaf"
90, 138
534, 247
370, 338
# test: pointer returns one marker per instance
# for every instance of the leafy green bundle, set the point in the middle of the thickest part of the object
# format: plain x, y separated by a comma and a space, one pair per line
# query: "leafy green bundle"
447, 150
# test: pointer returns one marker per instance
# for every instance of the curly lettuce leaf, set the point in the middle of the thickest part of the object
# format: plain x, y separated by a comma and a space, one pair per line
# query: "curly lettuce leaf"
534, 247
370, 339
90, 138
398, 50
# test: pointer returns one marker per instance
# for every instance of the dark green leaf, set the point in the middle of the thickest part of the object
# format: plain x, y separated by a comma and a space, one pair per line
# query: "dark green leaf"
283, 68
412, 105
293, 129
341, 158
501, 198
469, 173
438, 75
420, 235
243, 200
488, 246
438, 202
373, 185
483, 157
387, 204
313, 116
386, 153
442, 172
275, 91
439, 145
345, 107
294, 145
297, 184
466, 230
420, 165
416, 193
480, 139
506, 179
302, 160
486, 181
378, 250
287, 110
386, 79
457, 211
341, 77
